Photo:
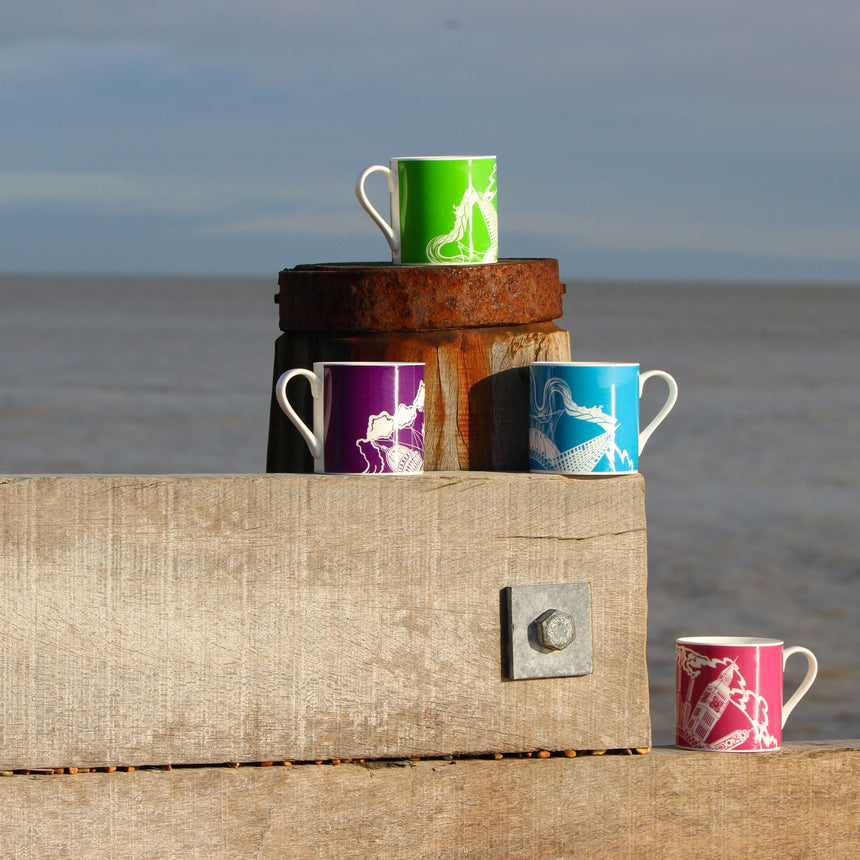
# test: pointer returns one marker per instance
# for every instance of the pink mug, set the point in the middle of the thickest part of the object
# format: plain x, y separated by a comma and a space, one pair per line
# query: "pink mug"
728, 692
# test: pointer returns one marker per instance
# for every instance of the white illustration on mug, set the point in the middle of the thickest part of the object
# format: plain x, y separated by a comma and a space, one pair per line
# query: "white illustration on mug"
585, 456
464, 221
392, 440
697, 720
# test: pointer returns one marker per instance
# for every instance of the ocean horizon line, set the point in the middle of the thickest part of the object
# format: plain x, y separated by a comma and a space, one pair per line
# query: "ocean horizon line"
567, 279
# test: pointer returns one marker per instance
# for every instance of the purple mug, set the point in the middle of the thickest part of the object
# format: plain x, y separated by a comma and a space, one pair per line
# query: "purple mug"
368, 416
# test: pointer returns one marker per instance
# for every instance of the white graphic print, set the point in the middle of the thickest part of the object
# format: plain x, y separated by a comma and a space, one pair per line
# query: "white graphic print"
547, 408
395, 440
696, 720
463, 225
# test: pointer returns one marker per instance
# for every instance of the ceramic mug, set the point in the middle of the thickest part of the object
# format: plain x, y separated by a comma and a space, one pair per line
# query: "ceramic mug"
584, 416
443, 209
728, 692
368, 416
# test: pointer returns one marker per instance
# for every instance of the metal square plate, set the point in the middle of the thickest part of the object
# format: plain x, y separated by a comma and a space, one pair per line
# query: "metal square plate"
523, 608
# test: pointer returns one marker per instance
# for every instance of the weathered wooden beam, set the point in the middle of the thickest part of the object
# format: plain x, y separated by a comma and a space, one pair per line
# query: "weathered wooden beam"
801, 803
204, 619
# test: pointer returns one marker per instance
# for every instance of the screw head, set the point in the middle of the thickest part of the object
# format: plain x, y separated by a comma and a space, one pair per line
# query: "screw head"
555, 629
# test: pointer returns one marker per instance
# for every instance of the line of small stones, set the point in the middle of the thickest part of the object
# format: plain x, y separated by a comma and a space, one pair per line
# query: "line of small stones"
369, 763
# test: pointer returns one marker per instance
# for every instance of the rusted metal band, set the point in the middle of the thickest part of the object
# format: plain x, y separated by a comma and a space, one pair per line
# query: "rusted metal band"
365, 297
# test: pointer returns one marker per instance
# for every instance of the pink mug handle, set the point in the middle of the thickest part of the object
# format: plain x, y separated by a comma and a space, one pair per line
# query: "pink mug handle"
805, 684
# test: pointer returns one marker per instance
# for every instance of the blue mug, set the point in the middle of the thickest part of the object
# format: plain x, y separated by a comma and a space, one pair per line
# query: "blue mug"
584, 417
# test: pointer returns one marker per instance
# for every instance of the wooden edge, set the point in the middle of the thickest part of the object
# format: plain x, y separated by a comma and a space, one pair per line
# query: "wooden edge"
804, 747
368, 762
449, 475
803, 801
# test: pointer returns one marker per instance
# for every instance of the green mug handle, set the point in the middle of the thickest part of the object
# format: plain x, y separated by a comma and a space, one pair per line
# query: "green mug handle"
387, 230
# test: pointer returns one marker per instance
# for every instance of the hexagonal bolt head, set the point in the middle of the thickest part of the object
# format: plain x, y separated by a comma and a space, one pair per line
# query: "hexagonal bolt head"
555, 629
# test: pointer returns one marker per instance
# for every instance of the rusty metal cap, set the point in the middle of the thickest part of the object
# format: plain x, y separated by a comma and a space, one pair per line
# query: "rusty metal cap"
367, 297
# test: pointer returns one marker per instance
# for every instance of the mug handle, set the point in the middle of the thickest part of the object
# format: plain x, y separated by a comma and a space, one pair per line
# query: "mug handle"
387, 230
805, 684
313, 442
666, 408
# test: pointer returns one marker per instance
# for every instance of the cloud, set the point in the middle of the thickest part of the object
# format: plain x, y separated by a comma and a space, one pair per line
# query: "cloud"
790, 48
321, 225
650, 230
222, 25
166, 195
663, 126
248, 208
688, 60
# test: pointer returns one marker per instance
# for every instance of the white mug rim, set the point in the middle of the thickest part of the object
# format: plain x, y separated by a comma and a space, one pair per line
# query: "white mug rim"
732, 641
586, 363
442, 157
369, 364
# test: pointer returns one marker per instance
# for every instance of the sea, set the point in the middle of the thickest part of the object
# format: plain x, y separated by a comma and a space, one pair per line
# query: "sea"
752, 482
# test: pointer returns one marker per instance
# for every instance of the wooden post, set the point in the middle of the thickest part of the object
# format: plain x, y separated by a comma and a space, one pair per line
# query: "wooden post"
477, 328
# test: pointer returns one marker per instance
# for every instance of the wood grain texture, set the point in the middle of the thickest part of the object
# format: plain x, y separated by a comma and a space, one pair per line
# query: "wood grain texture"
476, 398
802, 803
203, 619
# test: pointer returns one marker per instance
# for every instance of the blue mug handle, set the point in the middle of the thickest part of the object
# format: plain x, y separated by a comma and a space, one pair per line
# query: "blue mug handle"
665, 409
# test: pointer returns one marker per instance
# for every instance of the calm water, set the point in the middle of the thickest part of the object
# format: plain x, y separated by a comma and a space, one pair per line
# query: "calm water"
753, 481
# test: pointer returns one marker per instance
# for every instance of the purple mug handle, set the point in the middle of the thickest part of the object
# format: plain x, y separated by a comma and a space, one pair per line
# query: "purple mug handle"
314, 443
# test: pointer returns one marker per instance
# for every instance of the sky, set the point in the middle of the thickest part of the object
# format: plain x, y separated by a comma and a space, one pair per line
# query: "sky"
653, 139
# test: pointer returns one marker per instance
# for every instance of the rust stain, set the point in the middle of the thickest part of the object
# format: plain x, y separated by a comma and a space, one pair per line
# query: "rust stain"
377, 297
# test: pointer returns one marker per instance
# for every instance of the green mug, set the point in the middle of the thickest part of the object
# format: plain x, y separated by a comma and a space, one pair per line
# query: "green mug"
443, 209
